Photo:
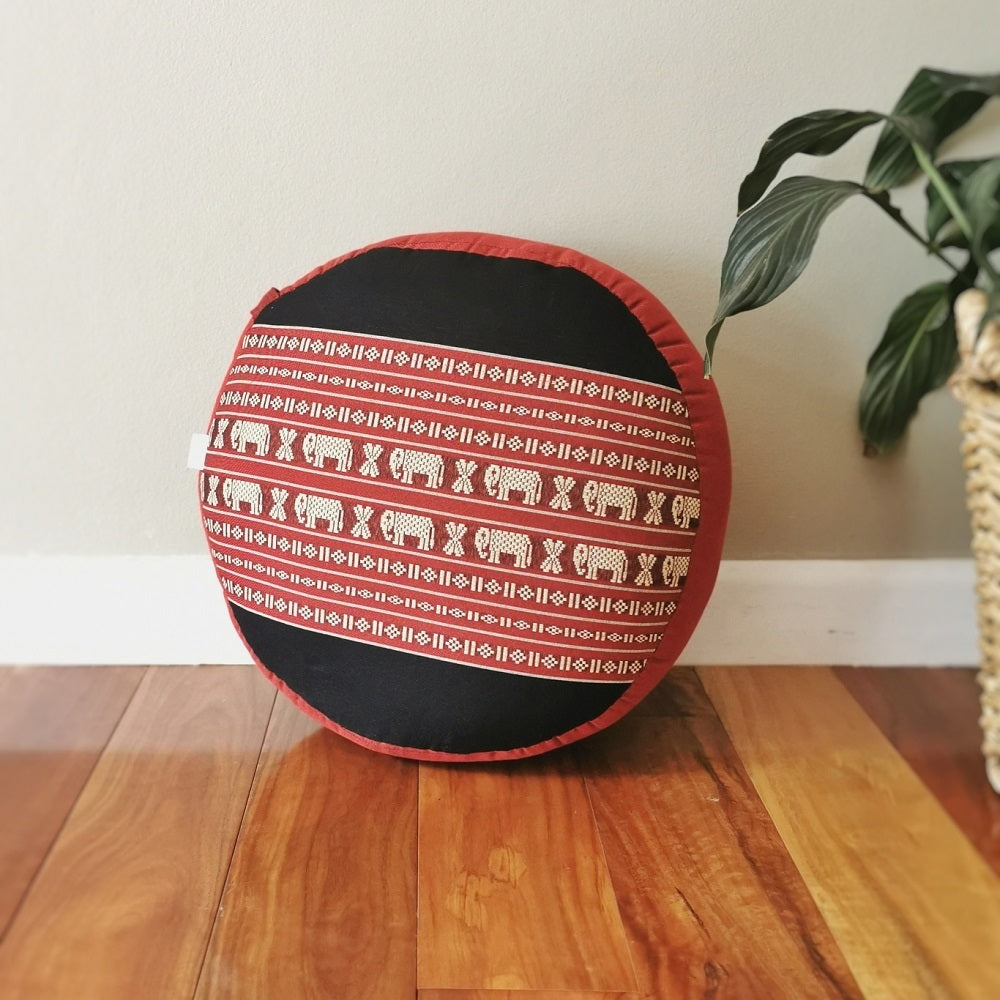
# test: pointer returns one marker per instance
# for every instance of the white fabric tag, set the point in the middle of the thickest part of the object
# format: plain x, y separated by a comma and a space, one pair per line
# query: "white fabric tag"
198, 451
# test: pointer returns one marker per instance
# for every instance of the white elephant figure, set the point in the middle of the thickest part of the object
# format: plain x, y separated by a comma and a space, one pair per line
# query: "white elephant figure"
598, 497
684, 509
316, 448
244, 432
675, 569
492, 543
310, 508
241, 491
404, 463
499, 480
398, 525
590, 560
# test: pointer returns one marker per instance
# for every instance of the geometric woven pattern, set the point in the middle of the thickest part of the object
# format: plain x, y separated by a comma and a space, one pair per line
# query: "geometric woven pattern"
490, 511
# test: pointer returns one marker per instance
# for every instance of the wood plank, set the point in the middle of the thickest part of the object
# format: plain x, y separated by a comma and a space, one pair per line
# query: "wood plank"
679, 694
321, 895
712, 903
123, 905
54, 723
513, 888
525, 995
931, 716
914, 908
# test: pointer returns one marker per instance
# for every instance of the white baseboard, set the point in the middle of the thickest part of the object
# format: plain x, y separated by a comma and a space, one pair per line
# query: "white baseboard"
169, 609
906, 612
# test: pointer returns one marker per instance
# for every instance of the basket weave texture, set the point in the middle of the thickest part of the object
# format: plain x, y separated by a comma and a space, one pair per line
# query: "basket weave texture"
981, 458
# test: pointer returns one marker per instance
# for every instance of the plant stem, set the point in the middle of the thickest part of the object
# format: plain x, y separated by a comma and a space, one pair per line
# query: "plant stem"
957, 212
881, 198
944, 189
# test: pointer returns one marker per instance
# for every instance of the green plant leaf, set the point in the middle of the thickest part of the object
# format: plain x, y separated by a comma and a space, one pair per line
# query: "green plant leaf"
949, 100
977, 189
940, 224
816, 134
771, 244
916, 354
980, 197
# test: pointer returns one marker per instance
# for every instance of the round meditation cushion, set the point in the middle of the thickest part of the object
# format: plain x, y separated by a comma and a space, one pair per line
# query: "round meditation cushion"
465, 494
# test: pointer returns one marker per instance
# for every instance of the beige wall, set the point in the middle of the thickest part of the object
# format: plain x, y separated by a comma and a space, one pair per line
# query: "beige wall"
164, 164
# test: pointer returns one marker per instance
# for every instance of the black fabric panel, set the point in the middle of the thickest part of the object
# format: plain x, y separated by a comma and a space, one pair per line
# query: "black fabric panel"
521, 308
412, 701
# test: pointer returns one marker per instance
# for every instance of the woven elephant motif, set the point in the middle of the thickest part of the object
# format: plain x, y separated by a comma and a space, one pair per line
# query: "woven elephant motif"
244, 432
236, 492
590, 560
405, 463
675, 569
492, 543
316, 448
499, 480
598, 497
685, 509
310, 508
398, 525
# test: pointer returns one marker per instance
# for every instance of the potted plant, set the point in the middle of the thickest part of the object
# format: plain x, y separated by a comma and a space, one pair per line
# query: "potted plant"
948, 329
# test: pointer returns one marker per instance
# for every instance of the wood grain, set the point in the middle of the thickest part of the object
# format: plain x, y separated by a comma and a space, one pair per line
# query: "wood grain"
665, 857
512, 883
914, 908
123, 905
931, 718
679, 694
526, 995
322, 889
54, 723
712, 903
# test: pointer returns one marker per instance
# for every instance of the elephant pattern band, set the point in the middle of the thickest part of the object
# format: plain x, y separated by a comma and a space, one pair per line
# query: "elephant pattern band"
406, 529
497, 512
505, 482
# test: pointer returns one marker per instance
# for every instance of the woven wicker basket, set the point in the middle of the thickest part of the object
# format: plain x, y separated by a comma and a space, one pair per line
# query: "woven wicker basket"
981, 456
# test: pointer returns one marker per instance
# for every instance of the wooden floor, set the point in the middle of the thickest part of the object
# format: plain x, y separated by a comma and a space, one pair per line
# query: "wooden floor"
177, 832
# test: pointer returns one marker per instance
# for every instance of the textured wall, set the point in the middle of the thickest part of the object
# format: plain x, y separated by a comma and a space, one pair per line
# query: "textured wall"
164, 164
